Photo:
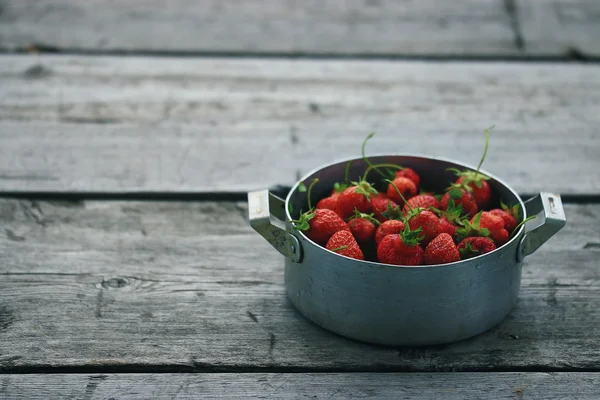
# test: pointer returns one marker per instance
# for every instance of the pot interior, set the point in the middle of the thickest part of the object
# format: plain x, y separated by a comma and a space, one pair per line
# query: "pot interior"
433, 172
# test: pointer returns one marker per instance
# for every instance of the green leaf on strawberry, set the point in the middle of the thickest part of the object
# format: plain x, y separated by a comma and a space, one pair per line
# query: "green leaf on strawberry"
455, 193
514, 210
365, 188
468, 251
368, 217
302, 223
411, 238
393, 213
469, 228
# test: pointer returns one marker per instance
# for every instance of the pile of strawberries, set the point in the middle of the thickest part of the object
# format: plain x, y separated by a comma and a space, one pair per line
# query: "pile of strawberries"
402, 226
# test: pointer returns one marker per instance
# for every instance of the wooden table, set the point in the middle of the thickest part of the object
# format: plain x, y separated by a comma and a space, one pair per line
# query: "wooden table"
128, 268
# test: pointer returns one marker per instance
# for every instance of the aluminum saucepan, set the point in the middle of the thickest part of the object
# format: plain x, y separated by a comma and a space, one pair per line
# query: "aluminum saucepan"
397, 305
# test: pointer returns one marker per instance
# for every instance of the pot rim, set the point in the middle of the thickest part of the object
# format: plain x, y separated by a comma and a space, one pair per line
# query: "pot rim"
413, 155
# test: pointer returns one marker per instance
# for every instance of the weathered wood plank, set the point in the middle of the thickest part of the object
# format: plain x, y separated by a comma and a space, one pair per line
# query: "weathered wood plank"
465, 27
560, 27
157, 286
72, 123
450, 386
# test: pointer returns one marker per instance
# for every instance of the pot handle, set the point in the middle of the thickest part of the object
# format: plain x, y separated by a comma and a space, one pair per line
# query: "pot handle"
261, 205
550, 218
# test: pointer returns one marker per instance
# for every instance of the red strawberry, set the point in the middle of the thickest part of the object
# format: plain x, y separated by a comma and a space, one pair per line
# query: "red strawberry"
474, 246
392, 226
450, 218
421, 201
495, 224
410, 174
485, 224
355, 197
446, 226
475, 182
401, 249
478, 186
510, 216
319, 224
382, 204
460, 196
342, 242
330, 202
427, 221
362, 227
324, 224
406, 187
510, 222
441, 250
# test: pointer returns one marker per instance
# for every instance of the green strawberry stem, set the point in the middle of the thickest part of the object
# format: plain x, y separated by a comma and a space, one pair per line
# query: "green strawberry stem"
309, 193
347, 171
340, 187
374, 167
371, 165
521, 224
368, 217
487, 140
339, 248
364, 144
400, 194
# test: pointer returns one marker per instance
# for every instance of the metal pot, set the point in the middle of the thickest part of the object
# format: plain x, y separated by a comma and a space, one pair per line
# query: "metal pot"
396, 305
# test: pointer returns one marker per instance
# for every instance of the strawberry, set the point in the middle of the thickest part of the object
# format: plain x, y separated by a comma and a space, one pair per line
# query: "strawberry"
323, 224
427, 221
446, 226
401, 249
495, 224
421, 201
330, 202
474, 182
441, 250
342, 242
362, 227
510, 215
406, 187
389, 227
410, 174
356, 197
460, 196
478, 186
319, 224
449, 218
381, 204
485, 224
474, 246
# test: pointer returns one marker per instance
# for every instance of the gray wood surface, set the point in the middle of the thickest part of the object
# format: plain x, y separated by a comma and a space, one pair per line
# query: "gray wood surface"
415, 27
450, 386
560, 27
154, 286
70, 123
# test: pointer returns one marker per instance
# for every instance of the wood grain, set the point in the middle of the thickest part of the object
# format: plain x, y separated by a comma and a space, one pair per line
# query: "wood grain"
569, 27
71, 124
143, 287
388, 27
451, 386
